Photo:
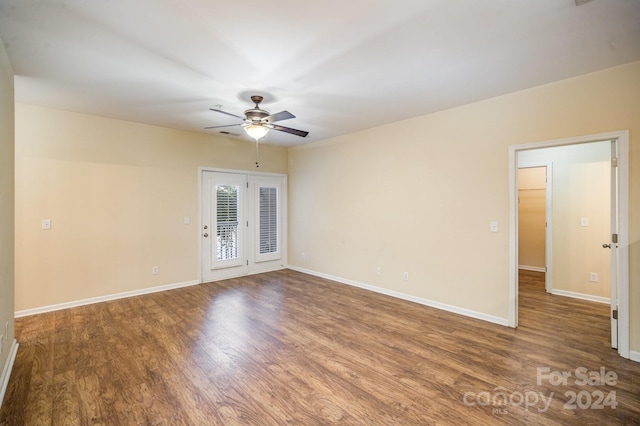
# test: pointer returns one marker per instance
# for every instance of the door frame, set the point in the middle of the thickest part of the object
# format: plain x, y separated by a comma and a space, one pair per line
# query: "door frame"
285, 205
548, 200
622, 138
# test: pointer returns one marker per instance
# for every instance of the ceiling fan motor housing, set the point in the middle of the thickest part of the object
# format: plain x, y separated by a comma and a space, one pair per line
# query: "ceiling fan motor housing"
256, 114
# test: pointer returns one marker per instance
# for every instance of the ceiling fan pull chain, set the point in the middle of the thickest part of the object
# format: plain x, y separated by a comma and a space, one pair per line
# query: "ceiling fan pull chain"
257, 165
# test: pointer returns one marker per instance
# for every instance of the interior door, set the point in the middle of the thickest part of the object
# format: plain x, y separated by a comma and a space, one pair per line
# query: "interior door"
613, 245
223, 225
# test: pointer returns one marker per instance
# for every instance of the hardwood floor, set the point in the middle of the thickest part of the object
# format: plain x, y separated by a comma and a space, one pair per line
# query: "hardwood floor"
288, 348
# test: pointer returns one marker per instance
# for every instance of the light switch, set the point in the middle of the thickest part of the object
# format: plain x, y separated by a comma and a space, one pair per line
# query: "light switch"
46, 224
187, 220
493, 226
584, 221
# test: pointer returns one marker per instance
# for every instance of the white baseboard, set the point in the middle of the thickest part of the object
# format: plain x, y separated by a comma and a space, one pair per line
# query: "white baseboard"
408, 297
590, 298
6, 371
99, 299
532, 268
634, 356
234, 274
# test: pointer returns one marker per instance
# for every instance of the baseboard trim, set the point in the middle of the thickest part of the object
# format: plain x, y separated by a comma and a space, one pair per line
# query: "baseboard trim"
634, 356
6, 371
588, 297
532, 268
408, 297
232, 275
106, 298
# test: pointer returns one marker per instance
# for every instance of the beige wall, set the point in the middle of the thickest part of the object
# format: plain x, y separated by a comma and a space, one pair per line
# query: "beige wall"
6, 206
531, 217
412, 196
116, 194
581, 189
418, 195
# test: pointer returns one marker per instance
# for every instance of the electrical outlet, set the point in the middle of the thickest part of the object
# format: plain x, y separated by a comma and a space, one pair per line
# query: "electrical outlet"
303, 256
593, 277
405, 276
378, 270
155, 270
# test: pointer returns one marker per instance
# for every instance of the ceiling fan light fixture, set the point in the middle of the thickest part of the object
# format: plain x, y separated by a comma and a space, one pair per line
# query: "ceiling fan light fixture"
256, 131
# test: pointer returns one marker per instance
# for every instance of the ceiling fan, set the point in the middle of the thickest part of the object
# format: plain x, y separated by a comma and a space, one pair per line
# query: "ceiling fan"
257, 122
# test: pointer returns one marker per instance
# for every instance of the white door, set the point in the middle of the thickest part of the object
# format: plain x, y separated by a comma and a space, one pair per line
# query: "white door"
267, 227
613, 245
223, 225
243, 224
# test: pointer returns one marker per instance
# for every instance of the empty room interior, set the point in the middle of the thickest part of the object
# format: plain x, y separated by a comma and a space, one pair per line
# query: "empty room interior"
420, 212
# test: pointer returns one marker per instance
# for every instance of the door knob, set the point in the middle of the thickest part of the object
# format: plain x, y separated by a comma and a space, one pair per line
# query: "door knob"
206, 227
606, 246
205, 235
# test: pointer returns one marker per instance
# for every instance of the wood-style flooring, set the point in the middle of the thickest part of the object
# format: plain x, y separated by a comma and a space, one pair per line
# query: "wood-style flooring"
289, 348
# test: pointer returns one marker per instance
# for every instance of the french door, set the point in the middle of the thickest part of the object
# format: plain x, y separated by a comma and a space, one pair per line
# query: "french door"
243, 223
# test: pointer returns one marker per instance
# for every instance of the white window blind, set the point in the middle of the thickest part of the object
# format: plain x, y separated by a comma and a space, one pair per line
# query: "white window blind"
227, 203
268, 220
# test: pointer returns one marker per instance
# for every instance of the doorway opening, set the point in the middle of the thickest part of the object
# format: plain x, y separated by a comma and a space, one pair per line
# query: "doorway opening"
534, 218
563, 280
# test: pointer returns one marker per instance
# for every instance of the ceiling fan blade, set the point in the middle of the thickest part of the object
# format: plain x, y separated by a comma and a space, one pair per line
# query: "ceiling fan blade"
226, 125
227, 113
296, 132
279, 116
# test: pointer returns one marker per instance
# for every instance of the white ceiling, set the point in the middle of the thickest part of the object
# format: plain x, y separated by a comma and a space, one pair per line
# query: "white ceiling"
338, 65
